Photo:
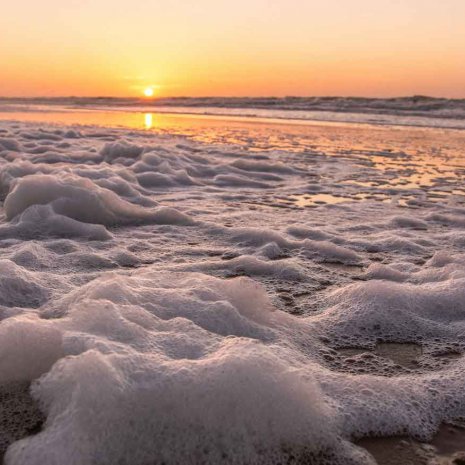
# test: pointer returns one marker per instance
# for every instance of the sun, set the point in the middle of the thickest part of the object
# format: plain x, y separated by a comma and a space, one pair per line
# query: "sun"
148, 92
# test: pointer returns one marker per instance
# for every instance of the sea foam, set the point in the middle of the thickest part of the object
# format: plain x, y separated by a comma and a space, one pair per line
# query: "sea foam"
178, 301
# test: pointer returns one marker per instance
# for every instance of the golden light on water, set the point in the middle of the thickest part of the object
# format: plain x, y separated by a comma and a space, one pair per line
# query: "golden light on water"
148, 92
148, 120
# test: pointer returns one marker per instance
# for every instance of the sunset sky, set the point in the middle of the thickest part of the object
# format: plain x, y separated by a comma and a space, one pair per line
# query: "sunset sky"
232, 48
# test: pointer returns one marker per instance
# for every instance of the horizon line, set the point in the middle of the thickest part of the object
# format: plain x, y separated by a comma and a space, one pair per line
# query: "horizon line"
155, 98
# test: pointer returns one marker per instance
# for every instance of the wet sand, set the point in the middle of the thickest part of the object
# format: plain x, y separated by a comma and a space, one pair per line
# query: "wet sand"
446, 448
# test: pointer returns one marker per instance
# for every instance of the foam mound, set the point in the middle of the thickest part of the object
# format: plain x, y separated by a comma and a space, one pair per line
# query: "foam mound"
84, 201
20, 288
208, 361
170, 373
42, 220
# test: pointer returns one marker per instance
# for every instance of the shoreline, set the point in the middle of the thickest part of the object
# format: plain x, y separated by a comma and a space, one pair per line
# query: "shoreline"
261, 116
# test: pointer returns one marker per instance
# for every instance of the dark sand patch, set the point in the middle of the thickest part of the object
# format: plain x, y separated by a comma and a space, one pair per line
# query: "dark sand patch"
396, 451
446, 448
405, 355
450, 440
19, 415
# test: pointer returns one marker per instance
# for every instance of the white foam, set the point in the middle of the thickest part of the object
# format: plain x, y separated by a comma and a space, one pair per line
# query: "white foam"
43, 220
138, 355
84, 201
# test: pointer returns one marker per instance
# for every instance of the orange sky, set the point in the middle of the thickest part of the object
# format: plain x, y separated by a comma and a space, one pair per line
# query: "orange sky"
245, 47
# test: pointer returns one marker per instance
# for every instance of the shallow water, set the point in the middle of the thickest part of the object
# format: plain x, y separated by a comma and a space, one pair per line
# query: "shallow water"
181, 289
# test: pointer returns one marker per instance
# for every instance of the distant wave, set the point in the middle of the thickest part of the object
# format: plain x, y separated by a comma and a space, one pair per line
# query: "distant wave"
407, 111
407, 106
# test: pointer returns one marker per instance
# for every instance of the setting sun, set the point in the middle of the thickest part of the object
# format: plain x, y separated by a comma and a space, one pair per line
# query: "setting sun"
148, 92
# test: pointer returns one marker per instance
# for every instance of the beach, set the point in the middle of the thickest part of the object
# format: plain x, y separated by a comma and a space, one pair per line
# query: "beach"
230, 288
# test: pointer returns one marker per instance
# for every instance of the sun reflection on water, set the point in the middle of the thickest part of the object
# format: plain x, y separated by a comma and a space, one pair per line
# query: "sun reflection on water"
148, 120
